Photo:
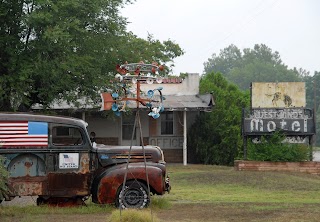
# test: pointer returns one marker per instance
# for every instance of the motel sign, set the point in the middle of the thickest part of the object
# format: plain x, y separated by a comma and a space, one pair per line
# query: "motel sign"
288, 121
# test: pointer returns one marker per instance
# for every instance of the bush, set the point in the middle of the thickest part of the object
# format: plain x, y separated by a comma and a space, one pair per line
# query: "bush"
133, 215
160, 202
272, 148
3, 179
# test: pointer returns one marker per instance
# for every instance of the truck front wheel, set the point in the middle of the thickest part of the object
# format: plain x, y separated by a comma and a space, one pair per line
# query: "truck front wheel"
134, 195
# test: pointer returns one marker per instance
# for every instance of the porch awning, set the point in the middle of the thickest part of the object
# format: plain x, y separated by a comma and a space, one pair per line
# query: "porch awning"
189, 102
171, 103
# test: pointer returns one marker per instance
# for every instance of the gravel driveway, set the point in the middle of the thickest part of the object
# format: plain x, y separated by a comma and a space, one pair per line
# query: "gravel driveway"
21, 201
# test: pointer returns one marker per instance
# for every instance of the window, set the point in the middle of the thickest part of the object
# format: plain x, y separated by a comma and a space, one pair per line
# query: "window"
66, 136
62, 131
166, 123
127, 127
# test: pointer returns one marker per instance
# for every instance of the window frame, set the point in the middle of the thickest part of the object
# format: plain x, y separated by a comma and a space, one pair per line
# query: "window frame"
71, 135
125, 122
166, 121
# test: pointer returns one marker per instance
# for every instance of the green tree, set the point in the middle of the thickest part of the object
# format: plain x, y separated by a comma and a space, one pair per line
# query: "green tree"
313, 96
229, 58
259, 64
66, 49
216, 136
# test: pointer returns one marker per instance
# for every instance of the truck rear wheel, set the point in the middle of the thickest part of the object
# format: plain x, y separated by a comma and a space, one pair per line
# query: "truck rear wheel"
134, 195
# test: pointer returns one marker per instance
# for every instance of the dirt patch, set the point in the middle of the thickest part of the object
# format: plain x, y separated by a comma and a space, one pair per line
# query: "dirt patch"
21, 201
199, 213
58, 218
239, 212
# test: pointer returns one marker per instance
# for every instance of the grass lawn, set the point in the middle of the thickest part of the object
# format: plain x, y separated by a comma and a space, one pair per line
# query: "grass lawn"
316, 148
207, 193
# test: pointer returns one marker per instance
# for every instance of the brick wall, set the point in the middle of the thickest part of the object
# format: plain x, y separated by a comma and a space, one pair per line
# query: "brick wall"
107, 140
305, 167
152, 127
173, 155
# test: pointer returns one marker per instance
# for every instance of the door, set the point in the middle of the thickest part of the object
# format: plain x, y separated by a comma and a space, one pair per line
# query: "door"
68, 164
127, 129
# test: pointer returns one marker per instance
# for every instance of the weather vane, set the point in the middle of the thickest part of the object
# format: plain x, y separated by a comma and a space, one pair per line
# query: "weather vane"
135, 73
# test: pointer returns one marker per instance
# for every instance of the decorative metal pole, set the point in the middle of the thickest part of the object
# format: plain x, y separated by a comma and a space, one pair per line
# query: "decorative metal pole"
135, 73
185, 159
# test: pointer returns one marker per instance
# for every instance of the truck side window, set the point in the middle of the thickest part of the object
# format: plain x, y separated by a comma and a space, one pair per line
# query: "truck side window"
66, 136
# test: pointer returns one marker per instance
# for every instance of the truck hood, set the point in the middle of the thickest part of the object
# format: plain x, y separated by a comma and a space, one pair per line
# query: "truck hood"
110, 155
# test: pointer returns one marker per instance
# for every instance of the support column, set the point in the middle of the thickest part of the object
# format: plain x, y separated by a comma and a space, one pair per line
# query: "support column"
83, 116
185, 138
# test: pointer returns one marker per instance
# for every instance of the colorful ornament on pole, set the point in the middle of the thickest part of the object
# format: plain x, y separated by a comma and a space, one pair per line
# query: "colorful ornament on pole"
137, 73
156, 102
142, 72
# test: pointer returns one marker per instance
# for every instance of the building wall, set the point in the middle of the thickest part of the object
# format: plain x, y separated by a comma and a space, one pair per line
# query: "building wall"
102, 126
108, 131
188, 86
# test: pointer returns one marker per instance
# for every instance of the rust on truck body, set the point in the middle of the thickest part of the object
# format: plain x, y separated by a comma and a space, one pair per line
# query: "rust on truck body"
27, 185
111, 181
68, 184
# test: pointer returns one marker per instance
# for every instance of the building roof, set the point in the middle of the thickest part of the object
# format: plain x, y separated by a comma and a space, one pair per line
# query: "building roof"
189, 102
180, 94
171, 103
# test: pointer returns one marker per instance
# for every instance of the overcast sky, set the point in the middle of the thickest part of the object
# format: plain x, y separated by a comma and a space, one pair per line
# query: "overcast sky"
204, 27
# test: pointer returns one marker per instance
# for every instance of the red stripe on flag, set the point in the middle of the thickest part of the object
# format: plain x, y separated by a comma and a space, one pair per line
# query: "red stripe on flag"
24, 123
25, 145
17, 136
24, 140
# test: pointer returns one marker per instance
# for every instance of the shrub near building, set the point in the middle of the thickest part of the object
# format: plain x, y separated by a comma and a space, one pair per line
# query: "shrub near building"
272, 148
3, 179
216, 136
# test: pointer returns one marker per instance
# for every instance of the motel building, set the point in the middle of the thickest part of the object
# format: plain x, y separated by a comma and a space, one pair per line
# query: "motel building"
181, 106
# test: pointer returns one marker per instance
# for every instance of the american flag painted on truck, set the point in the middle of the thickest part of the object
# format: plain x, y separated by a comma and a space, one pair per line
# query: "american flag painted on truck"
23, 133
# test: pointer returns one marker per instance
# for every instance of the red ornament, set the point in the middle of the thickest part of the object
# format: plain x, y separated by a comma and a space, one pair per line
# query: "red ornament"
121, 70
161, 68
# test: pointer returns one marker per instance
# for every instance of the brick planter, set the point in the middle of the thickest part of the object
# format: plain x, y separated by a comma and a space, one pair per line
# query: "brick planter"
304, 167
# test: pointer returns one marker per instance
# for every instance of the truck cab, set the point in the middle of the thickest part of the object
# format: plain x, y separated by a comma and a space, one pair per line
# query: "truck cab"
53, 158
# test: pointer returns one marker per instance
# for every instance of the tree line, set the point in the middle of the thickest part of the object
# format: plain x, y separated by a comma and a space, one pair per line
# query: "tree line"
228, 76
53, 50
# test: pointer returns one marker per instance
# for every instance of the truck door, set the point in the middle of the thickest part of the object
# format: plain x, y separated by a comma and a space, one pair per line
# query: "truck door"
68, 163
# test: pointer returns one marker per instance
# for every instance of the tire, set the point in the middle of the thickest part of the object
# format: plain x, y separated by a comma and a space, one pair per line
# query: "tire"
134, 195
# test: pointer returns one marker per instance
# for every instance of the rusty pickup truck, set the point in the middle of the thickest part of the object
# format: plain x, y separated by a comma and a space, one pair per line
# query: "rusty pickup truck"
53, 158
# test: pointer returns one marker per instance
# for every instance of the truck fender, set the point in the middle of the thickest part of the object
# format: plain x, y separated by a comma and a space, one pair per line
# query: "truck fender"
106, 184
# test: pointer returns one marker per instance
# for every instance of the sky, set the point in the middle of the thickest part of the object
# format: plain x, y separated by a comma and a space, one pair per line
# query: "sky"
204, 27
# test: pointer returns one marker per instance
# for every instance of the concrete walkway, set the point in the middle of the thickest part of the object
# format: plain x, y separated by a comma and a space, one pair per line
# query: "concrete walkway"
316, 156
